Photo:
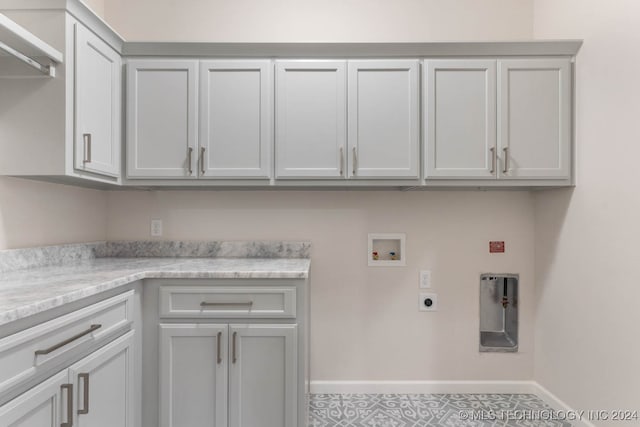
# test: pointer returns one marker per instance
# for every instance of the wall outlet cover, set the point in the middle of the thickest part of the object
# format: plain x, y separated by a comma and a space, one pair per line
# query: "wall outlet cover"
428, 302
156, 227
425, 279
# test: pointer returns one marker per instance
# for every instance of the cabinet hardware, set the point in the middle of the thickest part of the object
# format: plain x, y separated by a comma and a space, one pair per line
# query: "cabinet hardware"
189, 156
493, 159
85, 393
506, 160
341, 161
67, 341
355, 160
224, 304
233, 347
69, 389
219, 351
202, 160
86, 138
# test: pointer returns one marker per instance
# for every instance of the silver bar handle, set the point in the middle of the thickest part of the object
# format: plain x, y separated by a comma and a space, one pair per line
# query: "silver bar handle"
225, 304
355, 160
341, 161
233, 347
202, 160
506, 160
85, 394
68, 340
69, 389
189, 160
219, 350
493, 159
86, 138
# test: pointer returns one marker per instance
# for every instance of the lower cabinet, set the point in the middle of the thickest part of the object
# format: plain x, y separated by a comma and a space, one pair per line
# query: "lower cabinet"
236, 375
96, 391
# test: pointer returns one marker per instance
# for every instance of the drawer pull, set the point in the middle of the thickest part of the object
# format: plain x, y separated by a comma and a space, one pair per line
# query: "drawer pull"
85, 394
225, 304
69, 388
68, 340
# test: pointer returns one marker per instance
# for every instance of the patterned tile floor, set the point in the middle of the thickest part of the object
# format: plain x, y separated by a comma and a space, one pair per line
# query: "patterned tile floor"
421, 410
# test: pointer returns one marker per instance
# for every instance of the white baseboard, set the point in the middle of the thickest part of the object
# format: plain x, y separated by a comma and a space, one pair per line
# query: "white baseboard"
422, 387
557, 404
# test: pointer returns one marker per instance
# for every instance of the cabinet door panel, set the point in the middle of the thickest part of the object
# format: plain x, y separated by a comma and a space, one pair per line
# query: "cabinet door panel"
311, 119
263, 381
384, 119
104, 383
161, 119
98, 93
42, 406
534, 130
235, 118
193, 379
460, 107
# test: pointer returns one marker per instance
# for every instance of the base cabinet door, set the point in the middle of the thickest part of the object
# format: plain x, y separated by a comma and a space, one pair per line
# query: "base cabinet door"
534, 118
193, 375
262, 376
104, 384
46, 405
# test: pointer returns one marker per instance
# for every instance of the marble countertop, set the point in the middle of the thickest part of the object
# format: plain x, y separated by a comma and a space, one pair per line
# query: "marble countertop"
26, 292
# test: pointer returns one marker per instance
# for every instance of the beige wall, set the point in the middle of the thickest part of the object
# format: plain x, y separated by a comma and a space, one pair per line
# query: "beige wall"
587, 340
36, 214
320, 20
365, 320
97, 6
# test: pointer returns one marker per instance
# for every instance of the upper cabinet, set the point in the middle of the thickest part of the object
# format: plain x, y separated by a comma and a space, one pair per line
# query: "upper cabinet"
384, 119
347, 120
460, 119
235, 138
534, 119
311, 116
64, 126
98, 105
161, 108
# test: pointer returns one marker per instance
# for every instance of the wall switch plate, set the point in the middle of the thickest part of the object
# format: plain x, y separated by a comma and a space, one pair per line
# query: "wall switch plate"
425, 279
156, 227
428, 302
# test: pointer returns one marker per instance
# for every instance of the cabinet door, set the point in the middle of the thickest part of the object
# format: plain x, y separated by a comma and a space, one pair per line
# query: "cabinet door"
534, 111
460, 111
384, 119
161, 119
104, 384
98, 106
235, 119
193, 375
262, 376
45, 405
311, 102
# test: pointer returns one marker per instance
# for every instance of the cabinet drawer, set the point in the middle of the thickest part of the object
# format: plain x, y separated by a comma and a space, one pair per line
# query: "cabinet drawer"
205, 301
30, 352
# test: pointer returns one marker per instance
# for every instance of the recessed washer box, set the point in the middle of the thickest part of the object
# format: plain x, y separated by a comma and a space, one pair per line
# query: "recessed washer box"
387, 250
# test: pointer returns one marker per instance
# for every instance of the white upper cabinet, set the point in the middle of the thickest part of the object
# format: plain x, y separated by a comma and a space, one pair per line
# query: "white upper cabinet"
98, 104
235, 137
161, 119
311, 102
384, 119
459, 99
534, 118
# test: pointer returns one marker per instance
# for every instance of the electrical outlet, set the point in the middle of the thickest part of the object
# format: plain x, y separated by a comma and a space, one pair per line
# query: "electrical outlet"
425, 279
428, 302
156, 227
